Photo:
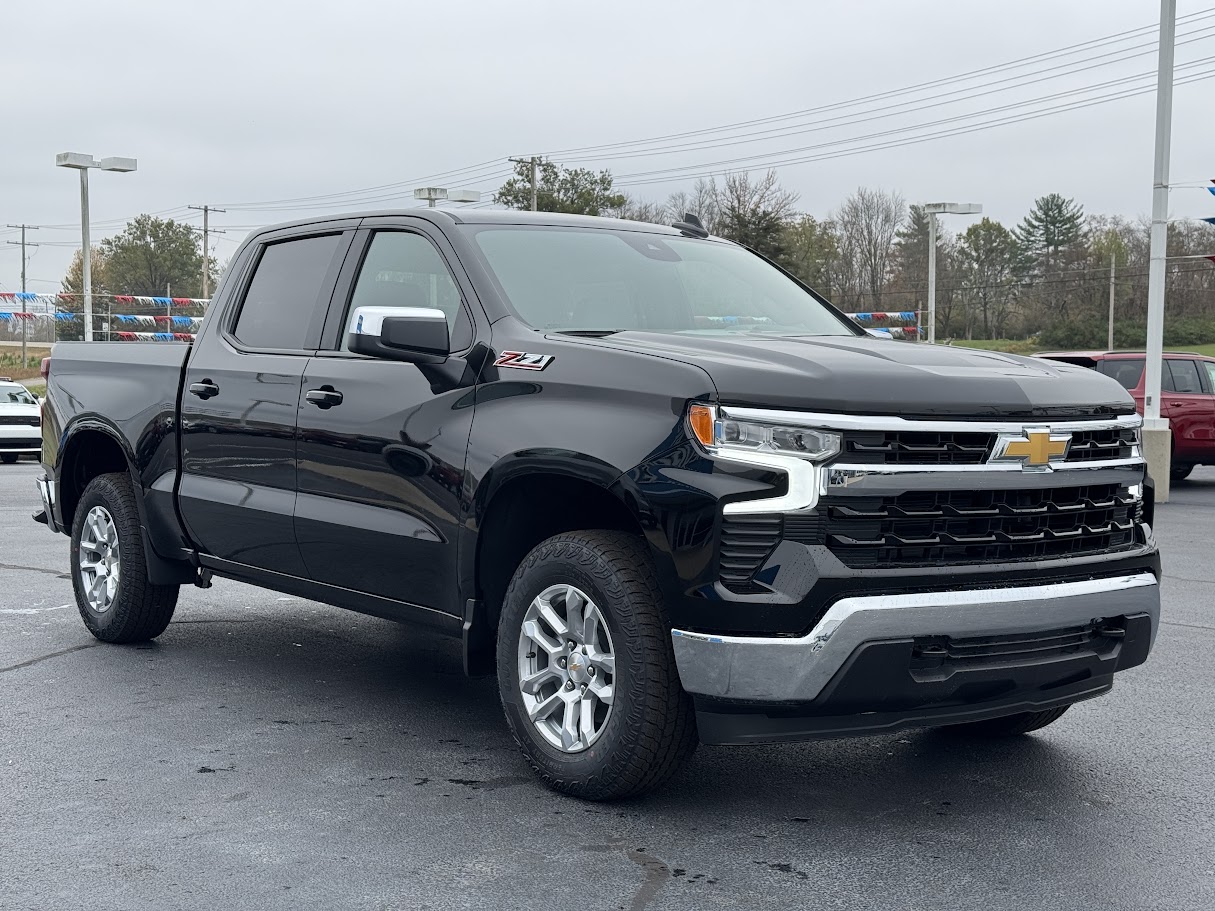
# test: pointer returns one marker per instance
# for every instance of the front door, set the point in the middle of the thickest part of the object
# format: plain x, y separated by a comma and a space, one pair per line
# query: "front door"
381, 455
242, 391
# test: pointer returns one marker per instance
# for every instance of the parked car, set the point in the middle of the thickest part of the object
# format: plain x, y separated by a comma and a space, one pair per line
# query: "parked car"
20, 422
662, 489
1187, 397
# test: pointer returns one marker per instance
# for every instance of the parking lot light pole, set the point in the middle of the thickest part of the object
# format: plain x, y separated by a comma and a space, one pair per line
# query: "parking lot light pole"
83, 163
1157, 437
933, 209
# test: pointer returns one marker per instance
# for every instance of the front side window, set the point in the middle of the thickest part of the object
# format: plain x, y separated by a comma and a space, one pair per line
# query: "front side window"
570, 279
402, 269
284, 296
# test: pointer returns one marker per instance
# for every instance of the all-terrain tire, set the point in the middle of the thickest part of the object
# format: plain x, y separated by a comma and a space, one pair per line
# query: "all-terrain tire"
1009, 725
651, 730
139, 611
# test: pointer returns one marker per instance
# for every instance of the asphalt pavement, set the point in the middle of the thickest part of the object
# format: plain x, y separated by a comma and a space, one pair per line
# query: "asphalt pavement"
272, 753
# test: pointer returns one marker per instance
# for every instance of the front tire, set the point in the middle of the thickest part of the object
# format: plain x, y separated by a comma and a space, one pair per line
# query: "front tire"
1009, 725
585, 668
109, 572
1180, 472
9, 457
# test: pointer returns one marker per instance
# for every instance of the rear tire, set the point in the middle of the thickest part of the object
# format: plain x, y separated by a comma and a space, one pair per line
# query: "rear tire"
1180, 472
606, 580
9, 457
109, 571
1009, 725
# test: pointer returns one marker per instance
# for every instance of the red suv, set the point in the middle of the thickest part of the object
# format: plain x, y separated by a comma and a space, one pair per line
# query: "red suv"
1187, 397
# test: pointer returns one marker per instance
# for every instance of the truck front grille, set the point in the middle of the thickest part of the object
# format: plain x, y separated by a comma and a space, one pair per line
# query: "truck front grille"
918, 447
19, 420
19, 443
978, 526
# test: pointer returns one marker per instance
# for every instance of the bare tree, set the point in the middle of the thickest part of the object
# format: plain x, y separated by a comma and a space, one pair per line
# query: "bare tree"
641, 210
867, 223
701, 202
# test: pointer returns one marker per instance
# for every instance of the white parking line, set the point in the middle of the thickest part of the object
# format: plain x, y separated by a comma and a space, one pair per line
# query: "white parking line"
33, 610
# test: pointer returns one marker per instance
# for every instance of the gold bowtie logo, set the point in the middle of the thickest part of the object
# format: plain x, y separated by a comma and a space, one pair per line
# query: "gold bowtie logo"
1036, 448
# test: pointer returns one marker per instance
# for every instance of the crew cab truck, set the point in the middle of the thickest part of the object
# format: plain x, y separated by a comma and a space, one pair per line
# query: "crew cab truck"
663, 490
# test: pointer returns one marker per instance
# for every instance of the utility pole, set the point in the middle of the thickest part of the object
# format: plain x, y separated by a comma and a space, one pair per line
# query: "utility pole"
24, 322
534, 161
206, 265
1157, 438
1109, 345
932, 278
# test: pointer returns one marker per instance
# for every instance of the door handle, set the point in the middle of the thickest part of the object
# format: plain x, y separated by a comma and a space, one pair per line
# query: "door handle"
204, 390
325, 397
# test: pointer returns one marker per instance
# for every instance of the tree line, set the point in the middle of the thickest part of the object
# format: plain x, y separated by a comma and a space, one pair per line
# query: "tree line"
1046, 278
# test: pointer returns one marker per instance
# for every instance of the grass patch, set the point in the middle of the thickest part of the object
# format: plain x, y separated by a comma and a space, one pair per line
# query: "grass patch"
10, 363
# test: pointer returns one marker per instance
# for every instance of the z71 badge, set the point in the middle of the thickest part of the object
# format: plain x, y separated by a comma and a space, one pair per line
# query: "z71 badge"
523, 361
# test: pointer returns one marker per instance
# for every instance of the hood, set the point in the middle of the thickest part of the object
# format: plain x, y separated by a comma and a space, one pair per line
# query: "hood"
864, 375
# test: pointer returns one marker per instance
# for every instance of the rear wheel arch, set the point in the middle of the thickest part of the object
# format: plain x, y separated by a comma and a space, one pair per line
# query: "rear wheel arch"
88, 452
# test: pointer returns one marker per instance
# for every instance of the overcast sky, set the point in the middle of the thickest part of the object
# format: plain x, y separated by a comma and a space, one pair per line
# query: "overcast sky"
231, 103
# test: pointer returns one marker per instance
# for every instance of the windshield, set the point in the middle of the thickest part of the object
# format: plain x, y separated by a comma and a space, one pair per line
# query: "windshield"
16, 395
569, 279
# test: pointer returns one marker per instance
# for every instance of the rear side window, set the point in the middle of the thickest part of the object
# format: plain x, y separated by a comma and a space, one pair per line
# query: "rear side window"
285, 293
1185, 377
1210, 374
1126, 371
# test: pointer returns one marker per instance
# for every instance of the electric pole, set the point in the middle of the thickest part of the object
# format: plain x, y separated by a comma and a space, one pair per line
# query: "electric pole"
534, 161
206, 264
1109, 346
24, 322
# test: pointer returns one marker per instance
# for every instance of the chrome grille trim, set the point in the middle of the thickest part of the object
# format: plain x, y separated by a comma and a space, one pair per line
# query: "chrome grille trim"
891, 422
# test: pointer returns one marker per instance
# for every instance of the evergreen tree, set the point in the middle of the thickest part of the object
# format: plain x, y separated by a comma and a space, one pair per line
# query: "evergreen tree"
577, 191
1052, 225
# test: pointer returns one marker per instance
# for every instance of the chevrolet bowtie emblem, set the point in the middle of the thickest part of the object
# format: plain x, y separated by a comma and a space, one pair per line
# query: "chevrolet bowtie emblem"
1033, 449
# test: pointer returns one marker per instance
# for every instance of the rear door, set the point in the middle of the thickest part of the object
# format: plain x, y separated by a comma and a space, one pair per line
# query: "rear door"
381, 472
241, 392
1187, 403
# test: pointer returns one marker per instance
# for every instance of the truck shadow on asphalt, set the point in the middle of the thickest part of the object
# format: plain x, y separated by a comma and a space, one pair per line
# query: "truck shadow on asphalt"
330, 675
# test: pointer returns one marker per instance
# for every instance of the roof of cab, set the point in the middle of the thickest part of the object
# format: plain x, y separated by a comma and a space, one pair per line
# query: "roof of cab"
486, 217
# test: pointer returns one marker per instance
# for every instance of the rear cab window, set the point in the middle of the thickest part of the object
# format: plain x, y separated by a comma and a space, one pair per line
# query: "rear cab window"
1126, 370
283, 301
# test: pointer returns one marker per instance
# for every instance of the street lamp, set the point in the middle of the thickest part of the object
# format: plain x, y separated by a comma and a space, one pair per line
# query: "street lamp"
82, 163
433, 194
933, 209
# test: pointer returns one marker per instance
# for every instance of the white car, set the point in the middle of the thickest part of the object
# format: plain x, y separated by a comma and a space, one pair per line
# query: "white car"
20, 422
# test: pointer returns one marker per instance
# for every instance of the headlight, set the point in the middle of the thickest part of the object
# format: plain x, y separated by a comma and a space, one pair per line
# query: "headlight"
715, 431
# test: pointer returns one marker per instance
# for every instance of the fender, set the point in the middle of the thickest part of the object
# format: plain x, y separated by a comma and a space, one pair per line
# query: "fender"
161, 570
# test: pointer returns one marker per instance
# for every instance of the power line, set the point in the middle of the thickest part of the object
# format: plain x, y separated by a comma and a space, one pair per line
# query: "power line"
1013, 64
706, 169
879, 113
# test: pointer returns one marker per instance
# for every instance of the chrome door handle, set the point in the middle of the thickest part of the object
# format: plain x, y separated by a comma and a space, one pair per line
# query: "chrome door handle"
325, 397
204, 390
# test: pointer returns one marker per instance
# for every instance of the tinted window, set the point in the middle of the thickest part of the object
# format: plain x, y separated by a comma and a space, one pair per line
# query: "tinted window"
284, 295
570, 278
1126, 371
405, 270
1210, 374
1185, 377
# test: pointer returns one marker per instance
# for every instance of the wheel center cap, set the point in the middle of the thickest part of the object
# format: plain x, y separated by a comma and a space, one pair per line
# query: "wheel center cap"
577, 668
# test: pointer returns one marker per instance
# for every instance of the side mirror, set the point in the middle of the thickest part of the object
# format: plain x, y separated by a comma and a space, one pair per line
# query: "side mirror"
417, 335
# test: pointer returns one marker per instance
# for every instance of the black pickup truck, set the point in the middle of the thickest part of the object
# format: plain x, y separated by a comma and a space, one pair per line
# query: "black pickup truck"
663, 490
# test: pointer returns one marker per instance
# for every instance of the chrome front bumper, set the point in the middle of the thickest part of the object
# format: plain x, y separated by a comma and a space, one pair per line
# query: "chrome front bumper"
784, 669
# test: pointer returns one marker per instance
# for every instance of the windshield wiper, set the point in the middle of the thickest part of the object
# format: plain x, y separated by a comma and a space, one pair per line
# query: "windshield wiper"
587, 333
